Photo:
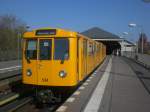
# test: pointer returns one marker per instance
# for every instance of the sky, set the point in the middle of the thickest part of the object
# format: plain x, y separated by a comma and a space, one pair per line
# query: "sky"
80, 15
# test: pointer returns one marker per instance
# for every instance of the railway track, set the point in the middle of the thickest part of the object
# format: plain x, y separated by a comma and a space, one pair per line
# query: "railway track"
16, 104
32, 107
17, 97
14, 96
28, 104
11, 86
20, 102
14, 99
9, 78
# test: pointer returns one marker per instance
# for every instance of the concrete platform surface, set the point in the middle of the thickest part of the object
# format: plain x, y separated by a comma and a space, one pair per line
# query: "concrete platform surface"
80, 97
119, 85
8, 64
9, 68
125, 92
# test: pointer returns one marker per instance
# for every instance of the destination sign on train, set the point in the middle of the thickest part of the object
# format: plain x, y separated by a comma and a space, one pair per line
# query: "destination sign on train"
46, 32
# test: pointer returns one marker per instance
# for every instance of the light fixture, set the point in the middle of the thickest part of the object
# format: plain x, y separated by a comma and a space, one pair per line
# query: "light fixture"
29, 72
62, 74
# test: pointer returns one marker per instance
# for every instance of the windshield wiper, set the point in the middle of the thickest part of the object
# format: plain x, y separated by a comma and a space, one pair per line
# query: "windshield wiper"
65, 57
27, 58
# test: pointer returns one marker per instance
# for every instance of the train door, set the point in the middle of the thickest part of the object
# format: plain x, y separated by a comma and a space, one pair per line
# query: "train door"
79, 58
44, 67
82, 58
85, 57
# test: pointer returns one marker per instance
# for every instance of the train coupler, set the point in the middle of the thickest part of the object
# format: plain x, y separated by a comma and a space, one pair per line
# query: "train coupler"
47, 96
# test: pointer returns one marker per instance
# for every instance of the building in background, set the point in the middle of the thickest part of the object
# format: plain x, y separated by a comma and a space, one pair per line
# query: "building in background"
127, 47
146, 44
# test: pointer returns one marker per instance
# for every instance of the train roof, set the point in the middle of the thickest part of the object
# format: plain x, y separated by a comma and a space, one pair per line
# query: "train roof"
53, 32
49, 32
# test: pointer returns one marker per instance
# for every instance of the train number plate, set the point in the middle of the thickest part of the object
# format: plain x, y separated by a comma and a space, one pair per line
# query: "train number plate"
44, 79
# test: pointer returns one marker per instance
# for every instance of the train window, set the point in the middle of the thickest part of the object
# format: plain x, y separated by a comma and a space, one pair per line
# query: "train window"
90, 48
45, 49
85, 47
31, 49
61, 49
95, 47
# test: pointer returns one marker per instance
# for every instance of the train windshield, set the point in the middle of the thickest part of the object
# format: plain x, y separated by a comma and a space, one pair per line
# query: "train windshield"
31, 49
45, 49
61, 51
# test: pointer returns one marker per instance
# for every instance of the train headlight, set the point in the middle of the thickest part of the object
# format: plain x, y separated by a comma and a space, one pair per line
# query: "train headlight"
29, 72
62, 74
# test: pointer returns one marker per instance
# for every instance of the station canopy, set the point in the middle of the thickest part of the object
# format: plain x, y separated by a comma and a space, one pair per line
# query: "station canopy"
100, 34
109, 39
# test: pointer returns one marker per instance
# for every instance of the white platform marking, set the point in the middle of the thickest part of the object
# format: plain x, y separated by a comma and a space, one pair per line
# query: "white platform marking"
2, 70
70, 100
91, 77
85, 84
77, 93
88, 80
81, 88
61, 109
10, 68
95, 100
95, 73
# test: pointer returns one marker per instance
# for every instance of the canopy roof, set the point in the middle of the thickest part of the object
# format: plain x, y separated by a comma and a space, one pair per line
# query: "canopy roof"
98, 33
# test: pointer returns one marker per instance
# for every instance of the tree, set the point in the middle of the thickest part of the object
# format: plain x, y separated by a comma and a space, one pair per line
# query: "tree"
10, 28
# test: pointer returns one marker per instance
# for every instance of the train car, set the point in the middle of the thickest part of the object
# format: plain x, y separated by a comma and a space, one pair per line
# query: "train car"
56, 59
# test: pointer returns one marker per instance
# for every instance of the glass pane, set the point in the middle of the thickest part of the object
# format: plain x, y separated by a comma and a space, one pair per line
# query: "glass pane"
31, 51
45, 49
32, 45
61, 49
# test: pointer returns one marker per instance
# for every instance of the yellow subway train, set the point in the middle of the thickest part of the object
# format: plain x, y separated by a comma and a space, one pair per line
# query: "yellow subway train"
57, 59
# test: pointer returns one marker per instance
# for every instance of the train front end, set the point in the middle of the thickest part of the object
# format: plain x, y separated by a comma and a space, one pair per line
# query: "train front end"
49, 58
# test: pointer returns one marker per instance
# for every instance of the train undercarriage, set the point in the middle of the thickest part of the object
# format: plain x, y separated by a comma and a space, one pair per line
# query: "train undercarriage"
51, 95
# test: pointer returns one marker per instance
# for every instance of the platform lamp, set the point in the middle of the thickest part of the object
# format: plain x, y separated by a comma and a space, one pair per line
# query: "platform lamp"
18, 46
27, 27
133, 25
125, 35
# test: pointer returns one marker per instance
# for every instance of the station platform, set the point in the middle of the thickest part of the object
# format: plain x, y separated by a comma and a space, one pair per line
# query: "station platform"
9, 68
7, 64
118, 85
